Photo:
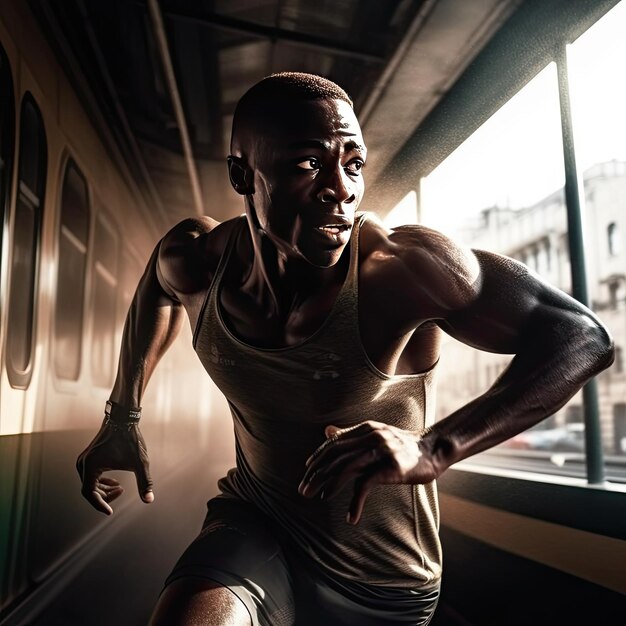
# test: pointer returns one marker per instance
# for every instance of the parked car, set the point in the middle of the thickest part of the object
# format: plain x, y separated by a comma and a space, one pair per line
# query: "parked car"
567, 438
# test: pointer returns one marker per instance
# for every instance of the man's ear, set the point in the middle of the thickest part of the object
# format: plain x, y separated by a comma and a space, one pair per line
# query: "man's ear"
240, 175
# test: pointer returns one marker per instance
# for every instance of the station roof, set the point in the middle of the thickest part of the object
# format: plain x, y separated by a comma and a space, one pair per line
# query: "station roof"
161, 79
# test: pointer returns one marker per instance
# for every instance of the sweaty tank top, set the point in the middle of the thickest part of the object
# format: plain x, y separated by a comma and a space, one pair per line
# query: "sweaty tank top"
281, 399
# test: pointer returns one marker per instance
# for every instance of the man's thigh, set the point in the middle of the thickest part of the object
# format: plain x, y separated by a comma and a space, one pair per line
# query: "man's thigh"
237, 550
201, 602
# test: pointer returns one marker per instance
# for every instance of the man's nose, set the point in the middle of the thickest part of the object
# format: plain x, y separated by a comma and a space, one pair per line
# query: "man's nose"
337, 188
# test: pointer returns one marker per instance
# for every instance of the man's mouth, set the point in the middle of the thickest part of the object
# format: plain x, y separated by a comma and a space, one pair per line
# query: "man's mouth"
334, 229
338, 233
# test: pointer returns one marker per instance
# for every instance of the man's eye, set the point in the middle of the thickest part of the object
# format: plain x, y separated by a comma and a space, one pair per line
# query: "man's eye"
354, 167
309, 164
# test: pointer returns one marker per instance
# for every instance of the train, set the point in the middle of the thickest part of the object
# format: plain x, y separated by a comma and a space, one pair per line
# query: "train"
70, 266
79, 220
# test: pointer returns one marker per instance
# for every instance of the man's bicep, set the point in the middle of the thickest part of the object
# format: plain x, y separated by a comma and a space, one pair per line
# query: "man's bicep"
511, 305
161, 275
151, 289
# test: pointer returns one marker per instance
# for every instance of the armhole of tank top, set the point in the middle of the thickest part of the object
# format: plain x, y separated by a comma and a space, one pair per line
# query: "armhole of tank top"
218, 272
354, 258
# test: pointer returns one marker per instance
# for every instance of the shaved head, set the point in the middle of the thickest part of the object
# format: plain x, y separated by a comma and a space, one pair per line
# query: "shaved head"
297, 152
262, 108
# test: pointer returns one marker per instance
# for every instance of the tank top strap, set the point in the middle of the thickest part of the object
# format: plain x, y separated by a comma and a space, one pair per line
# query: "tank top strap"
233, 236
352, 279
346, 306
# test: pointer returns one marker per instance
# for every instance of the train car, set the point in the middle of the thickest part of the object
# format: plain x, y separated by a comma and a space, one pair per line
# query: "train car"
76, 234
498, 121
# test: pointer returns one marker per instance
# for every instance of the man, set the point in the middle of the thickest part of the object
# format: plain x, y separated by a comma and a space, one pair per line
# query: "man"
322, 329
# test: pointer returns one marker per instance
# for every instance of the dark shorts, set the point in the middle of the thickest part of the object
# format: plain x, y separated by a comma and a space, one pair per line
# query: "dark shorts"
239, 548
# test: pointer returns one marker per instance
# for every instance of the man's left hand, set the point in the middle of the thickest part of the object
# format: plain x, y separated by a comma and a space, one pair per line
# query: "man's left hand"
372, 453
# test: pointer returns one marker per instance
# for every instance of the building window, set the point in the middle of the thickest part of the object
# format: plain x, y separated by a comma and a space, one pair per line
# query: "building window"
619, 427
612, 234
73, 238
615, 293
535, 257
26, 243
105, 278
548, 252
619, 360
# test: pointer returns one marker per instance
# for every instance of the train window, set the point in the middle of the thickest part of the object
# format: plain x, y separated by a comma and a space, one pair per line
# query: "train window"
73, 237
598, 94
26, 241
104, 303
7, 138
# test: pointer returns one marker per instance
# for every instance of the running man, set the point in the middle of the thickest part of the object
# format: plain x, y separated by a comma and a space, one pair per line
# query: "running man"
322, 329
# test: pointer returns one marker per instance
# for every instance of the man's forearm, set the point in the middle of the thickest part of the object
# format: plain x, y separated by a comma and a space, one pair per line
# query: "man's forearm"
153, 322
555, 361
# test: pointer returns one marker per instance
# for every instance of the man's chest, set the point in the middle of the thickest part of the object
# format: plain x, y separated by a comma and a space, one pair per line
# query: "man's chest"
391, 347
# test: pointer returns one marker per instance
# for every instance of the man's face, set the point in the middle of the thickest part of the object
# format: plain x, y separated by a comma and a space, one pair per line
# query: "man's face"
308, 179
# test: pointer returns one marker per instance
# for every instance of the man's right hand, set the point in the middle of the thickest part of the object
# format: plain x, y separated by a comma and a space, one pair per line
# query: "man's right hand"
113, 448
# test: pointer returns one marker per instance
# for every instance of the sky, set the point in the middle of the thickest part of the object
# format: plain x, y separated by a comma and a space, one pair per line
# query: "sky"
516, 158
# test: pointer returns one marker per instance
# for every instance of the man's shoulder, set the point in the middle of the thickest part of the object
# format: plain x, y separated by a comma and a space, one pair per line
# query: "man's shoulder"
190, 252
405, 242
419, 259
190, 231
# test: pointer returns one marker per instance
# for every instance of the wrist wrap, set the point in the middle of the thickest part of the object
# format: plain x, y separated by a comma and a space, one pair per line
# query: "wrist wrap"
120, 417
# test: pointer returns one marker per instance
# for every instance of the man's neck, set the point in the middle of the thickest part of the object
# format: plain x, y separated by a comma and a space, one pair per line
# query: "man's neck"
283, 281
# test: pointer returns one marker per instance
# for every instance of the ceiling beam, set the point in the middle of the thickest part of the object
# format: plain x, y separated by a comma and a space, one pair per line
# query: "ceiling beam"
294, 38
170, 77
400, 52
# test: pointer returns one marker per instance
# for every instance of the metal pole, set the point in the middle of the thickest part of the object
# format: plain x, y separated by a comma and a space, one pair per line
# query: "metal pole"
593, 440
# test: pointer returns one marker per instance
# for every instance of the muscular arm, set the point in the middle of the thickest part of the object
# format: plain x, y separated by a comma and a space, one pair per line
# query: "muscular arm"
558, 345
154, 320
492, 303
176, 268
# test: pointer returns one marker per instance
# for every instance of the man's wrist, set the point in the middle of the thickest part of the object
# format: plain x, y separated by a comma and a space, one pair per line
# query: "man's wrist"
121, 417
436, 449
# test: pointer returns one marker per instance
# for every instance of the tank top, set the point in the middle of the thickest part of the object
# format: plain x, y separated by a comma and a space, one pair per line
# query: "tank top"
281, 400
